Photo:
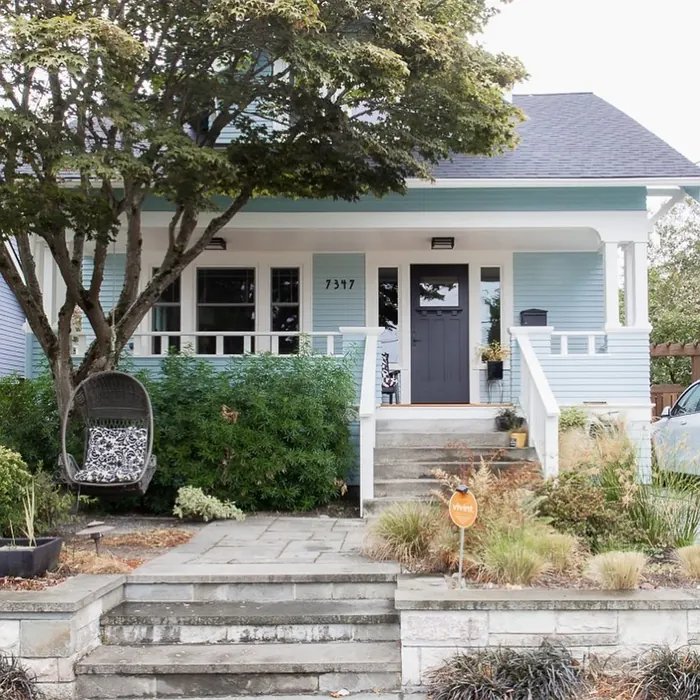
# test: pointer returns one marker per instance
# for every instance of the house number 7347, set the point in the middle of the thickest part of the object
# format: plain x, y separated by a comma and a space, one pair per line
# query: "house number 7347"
340, 284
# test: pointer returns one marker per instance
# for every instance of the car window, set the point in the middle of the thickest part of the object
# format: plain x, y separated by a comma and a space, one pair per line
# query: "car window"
688, 403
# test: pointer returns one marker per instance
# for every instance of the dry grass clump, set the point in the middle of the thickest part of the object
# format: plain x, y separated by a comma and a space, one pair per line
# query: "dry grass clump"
16, 682
151, 539
617, 571
689, 560
73, 562
510, 559
408, 532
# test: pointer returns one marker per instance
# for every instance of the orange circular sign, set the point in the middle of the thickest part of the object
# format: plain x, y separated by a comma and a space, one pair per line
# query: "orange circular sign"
463, 509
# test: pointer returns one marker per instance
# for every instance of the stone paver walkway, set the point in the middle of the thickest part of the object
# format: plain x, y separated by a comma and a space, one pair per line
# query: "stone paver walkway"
269, 543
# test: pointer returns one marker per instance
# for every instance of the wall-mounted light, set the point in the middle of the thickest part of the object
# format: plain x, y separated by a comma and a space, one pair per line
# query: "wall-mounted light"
216, 244
442, 243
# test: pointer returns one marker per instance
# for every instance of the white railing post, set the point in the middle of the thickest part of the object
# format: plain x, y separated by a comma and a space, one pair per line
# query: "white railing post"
591, 344
564, 348
219, 345
538, 402
367, 409
275, 345
330, 345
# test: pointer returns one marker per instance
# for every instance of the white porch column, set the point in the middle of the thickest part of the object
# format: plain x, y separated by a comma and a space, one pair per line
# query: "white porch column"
611, 275
629, 284
640, 284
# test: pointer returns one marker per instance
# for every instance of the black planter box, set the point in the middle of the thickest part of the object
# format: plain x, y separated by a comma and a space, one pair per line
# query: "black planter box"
28, 563
494, 370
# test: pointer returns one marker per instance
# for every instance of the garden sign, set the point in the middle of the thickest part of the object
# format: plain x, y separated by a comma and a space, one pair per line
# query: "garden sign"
463, 511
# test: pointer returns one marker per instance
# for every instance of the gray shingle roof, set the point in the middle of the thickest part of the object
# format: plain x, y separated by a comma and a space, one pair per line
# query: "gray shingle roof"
576, 135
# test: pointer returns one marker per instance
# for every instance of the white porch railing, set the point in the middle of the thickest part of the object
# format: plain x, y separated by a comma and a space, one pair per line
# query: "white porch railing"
539, 405
141, 343
590, 347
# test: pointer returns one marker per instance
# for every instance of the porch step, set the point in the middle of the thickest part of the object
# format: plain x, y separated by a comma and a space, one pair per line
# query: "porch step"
388, 424
405, 489
265, 583
424, 470
376, 506
251, 622
446, 455
401, 438
194, 671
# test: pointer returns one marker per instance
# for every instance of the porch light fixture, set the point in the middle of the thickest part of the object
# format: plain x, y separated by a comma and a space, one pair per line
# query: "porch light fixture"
216, 244
442, 243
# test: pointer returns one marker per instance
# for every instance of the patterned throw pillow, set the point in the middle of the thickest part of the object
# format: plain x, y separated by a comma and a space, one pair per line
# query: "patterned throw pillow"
114, 455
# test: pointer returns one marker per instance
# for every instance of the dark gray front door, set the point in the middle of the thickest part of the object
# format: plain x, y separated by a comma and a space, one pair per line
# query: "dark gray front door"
439, 334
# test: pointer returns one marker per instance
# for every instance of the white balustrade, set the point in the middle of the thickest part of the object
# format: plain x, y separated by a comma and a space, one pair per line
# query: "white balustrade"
589, 347
539, 406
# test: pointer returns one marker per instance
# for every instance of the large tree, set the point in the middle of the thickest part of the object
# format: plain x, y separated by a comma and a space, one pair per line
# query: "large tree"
674, 289
104, 103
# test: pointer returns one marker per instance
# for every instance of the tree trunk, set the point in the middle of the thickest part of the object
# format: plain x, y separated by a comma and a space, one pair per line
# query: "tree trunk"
62, 373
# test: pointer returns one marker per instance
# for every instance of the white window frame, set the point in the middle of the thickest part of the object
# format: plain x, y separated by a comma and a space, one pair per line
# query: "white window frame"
262, 263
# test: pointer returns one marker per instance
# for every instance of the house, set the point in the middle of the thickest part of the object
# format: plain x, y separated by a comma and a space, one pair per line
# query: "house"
12, 336
553, 226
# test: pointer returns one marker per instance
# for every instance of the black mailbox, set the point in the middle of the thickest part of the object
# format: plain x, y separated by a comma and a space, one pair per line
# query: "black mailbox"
533, 317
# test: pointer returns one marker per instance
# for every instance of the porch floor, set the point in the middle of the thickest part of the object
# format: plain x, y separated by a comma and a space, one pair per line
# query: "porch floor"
269, 545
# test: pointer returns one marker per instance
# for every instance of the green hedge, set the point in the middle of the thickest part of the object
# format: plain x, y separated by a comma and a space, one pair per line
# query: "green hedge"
289, 447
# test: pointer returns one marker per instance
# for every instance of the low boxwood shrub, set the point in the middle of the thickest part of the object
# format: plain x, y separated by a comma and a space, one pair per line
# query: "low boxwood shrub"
193, 504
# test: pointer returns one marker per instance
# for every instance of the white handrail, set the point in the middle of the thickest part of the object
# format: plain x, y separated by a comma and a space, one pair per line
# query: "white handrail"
540, 407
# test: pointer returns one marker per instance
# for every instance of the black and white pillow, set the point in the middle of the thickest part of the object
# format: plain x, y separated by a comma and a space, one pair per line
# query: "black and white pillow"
114, 455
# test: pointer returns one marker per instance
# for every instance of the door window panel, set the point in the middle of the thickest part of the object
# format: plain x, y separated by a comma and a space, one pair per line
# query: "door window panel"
490, 294
438, 292
389, 311
165, 316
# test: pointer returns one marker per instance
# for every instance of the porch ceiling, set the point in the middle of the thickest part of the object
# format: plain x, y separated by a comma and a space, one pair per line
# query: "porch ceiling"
518, 239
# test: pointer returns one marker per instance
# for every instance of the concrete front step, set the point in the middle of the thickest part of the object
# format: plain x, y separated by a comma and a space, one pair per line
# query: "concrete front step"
251, 622
442, 439
193, 671
401, 489
391, 455
376, 506
424, 470
435, 425
265, 582
355, 696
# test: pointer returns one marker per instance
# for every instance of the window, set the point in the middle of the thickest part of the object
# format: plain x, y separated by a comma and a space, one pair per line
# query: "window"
285, 307
389, 311
439, 292
490, 294
225, 302
166, 317
688, 402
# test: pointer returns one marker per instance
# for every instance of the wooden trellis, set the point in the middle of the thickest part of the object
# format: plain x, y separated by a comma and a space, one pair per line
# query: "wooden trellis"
663, 395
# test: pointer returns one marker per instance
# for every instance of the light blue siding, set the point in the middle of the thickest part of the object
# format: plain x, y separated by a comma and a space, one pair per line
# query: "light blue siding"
569, 286
345, 306
455, 199
12, 358
113, 281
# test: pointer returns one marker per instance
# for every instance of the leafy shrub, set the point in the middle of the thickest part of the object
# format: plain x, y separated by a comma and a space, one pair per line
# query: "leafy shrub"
287, 451
410, 533
14, 479
193, 504
617, 571
16, 682
575, 504
572, 417
666, 673
508, 674
54, 505
29, 421
689, 560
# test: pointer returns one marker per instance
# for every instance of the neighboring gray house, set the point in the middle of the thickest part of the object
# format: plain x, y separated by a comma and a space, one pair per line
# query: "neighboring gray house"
12, 338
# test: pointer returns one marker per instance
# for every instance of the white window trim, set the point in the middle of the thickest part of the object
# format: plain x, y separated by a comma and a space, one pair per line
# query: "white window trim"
475, 260
261, 262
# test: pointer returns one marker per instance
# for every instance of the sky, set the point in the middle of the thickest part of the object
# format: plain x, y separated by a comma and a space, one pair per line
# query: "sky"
643, 56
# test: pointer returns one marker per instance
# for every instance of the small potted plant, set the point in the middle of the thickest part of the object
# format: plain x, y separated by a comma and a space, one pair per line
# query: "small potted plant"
508, 421
494, 355
28, 556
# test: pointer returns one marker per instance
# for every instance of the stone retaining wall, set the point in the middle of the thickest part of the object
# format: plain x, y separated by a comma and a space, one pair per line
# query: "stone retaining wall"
50, 630
437, 622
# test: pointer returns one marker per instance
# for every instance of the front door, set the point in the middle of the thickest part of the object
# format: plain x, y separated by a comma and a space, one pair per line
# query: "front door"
439, 334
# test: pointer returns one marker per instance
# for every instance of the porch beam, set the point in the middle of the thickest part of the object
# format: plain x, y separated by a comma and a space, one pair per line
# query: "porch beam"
612, 295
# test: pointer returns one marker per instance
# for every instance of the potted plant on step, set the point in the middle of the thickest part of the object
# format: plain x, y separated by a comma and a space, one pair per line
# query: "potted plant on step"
494, 355
28, 556
508, 421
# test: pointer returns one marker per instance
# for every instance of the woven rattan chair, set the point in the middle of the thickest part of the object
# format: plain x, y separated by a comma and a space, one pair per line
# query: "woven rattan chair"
117, 425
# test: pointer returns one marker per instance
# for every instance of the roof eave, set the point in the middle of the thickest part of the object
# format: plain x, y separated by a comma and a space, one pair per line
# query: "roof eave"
648, 182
